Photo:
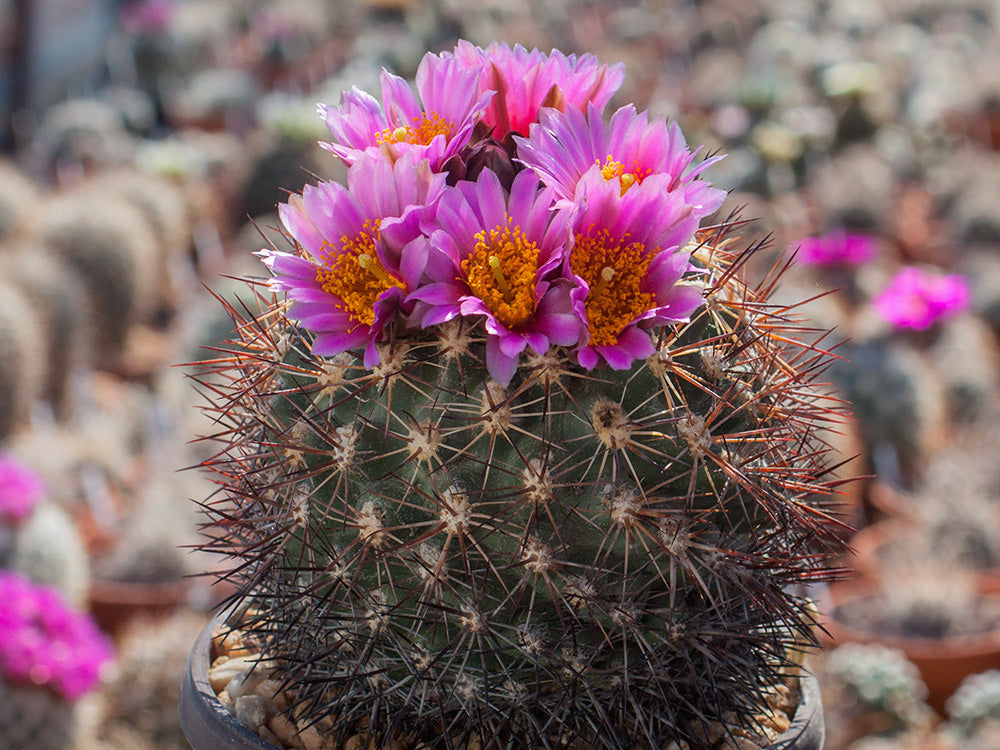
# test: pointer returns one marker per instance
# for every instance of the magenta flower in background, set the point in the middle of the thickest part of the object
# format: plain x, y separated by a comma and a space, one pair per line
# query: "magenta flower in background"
45, 643
563, 146
361, 252
435, 127
526, 81
21, 489
836, 249
146, 16
497, 256
628, 261
916, 299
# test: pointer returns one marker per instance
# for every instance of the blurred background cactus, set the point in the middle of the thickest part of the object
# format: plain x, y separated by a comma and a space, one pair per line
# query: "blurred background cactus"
50, 656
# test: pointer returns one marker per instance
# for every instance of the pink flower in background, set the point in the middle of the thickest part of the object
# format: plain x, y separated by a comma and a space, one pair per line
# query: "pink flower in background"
916, 299
836, 249
45, 643
498, 257
147, 16
20, 490
435, 127
627, 261
563, 146
361, 252
526, 81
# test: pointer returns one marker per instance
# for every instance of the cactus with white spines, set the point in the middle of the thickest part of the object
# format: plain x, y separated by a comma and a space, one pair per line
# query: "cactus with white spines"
60, 304
519, 516
22, 358
112, 249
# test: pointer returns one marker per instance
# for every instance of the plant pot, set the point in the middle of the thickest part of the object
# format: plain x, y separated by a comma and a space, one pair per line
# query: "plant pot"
208, 724
943, 662
116, 603
872, 551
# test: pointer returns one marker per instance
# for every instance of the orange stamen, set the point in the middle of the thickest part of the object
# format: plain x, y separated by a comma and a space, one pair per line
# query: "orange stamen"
614, 270
612, 169
501, 271
355, 275
423, 130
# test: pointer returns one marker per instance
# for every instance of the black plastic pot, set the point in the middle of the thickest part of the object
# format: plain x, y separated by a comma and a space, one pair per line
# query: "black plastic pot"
208, 725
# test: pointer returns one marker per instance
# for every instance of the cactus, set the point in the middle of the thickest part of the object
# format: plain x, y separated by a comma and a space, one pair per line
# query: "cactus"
22, 358
164, 207
967, 348
898, 400
19, 198
37, 538
873, 677
111, 247
61, 306
444, 542
50, 656
80, 135
48, 551
975, 702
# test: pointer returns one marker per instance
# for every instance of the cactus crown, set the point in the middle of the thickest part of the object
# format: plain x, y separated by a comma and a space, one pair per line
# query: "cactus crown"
443, 531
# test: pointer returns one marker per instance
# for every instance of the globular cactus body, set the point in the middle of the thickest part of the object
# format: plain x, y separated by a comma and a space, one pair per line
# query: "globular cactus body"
22, 358
35, 718
59, 302
577, 555
111, 247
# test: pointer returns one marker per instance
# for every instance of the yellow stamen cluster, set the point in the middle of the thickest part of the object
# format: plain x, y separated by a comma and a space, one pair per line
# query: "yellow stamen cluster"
614, 270
501, 271
355, 275
612, 169
423, 130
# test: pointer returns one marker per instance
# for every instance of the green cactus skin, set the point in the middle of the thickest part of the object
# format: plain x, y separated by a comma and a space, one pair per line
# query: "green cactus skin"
899, 401
48, 551
22, 358
35, 718
593, 560
60, 303
112, 249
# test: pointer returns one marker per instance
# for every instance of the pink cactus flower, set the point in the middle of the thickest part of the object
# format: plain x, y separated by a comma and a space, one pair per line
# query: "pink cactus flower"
360, 252
525, 82
147, 16
916, 299
563, 146
837, 248
21, 489
627, 262
498, 257
435, 127
45, 643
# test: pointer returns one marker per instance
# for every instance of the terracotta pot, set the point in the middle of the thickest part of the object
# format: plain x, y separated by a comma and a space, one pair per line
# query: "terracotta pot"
871, 544
943, 663
116, 603
885, 502
208, 724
